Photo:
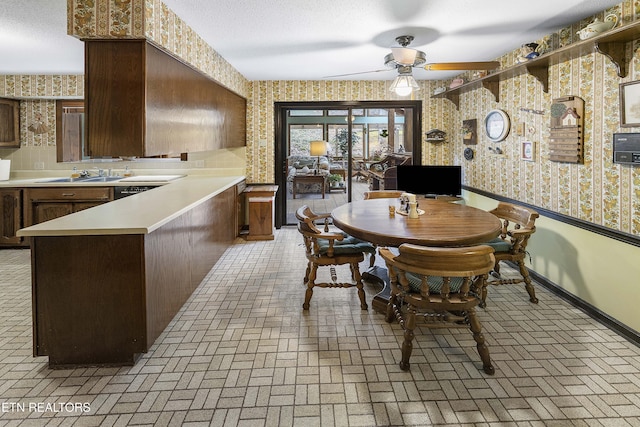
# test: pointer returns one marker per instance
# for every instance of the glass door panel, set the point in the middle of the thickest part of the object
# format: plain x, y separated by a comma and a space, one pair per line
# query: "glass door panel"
355, 138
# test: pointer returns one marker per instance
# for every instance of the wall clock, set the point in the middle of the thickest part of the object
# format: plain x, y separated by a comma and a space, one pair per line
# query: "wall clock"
497, 125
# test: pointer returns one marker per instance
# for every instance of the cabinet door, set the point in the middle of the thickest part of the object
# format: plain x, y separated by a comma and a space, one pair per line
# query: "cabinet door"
43, 204
9, 123
45, 211
11, 216
80, 206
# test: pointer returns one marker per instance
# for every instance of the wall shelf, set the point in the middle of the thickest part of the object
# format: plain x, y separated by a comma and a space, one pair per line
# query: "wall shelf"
612, 44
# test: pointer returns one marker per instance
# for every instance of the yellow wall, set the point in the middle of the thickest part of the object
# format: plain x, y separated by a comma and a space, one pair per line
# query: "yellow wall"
599, 270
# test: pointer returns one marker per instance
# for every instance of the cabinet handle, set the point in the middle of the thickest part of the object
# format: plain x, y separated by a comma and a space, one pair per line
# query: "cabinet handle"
68, 194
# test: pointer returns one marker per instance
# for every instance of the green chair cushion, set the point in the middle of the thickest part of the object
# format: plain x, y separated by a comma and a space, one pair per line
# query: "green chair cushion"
499, 245
347, 246
435, 283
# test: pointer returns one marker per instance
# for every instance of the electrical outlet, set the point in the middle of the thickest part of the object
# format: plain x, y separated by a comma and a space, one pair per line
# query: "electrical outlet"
38, 165
199, 163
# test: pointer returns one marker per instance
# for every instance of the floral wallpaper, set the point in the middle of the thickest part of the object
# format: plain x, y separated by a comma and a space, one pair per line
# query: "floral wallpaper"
596, 191
42, 86
154, 21
38, 107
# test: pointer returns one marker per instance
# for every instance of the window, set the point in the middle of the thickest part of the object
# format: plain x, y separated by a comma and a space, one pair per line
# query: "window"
301, 135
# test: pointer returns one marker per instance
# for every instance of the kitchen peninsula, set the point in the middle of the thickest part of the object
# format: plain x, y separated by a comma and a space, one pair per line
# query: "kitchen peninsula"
107, 281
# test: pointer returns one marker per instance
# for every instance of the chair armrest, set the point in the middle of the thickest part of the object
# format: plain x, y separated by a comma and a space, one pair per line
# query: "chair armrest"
519, 239
327, 235
328, 220
520, 233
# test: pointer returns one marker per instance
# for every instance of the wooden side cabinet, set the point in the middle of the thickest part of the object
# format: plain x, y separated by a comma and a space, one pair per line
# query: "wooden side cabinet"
44, 204
11, 220
9, 123
260, 200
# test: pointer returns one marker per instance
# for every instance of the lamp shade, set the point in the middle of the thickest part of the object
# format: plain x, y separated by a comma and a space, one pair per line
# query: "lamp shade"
404, 55
404, 84
317, 148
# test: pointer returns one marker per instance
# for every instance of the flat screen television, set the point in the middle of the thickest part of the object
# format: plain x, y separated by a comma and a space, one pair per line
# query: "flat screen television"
430, 181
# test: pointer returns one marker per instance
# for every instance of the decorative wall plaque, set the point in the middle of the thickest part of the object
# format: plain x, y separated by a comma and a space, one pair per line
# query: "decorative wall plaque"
469, 132
567, 130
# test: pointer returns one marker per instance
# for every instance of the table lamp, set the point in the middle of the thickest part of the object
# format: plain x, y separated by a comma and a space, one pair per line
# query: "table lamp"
317, 148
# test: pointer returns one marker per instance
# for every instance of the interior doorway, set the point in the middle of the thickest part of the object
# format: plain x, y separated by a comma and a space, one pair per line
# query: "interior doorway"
323, 150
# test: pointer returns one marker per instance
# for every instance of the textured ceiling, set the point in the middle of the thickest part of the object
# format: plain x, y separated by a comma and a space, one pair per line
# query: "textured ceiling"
308, 40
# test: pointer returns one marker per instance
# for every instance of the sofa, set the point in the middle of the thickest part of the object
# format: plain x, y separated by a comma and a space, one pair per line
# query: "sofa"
307, 164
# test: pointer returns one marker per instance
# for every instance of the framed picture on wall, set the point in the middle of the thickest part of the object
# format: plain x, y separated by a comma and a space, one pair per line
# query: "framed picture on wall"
527, 151
469, 132
630, 104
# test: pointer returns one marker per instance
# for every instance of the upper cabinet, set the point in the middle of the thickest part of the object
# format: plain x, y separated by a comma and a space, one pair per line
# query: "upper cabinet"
612, 44
9, 123
140, 101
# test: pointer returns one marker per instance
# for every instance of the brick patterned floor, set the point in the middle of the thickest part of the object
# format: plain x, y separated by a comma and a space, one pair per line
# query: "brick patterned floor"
241, 352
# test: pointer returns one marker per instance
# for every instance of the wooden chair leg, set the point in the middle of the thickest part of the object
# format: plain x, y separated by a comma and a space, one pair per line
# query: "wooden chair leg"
482, 293
391, 307
306, 273
527, 282
358, 278
483, 350
407, 345
496, 270
372, 260
310, 284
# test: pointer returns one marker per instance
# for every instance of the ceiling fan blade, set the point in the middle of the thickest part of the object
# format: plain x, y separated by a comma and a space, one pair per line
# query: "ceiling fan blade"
450, 66
354, 74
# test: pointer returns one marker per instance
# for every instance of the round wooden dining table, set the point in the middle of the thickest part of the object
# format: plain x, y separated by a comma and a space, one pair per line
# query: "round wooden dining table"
440, 224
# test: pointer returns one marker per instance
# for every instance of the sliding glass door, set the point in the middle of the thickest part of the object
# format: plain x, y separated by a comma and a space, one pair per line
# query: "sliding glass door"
324, 151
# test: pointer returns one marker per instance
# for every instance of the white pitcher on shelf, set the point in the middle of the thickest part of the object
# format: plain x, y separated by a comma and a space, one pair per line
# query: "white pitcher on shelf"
598, 26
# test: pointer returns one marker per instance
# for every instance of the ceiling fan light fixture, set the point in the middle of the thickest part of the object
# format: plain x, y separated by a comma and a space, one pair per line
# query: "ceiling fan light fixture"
404, 55
404, 84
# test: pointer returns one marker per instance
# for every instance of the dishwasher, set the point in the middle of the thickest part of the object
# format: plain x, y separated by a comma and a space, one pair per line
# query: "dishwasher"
120, 192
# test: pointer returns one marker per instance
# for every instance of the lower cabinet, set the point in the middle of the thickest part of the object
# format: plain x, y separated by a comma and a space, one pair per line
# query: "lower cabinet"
106, 305
10, 216
44, 204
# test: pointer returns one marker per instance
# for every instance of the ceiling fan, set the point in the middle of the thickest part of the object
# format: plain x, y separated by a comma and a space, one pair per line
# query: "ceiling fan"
403, 58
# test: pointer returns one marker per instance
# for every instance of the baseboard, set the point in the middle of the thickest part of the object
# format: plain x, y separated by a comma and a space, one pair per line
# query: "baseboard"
628, 333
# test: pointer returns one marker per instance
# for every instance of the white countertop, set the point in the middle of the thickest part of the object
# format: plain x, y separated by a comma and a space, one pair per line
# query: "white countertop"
138, 214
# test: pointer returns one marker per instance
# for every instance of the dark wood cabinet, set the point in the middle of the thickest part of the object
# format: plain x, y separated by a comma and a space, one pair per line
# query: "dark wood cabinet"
9, 123
11, 220
140, 101
44, 204
104, 299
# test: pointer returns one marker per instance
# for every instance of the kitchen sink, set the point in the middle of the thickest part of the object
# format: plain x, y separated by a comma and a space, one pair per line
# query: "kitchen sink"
84, 179
63, 180
102, 179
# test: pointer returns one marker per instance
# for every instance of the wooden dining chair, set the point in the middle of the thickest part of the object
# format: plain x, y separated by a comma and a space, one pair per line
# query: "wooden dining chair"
518, 224
330, 248
439, 286
382, 194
